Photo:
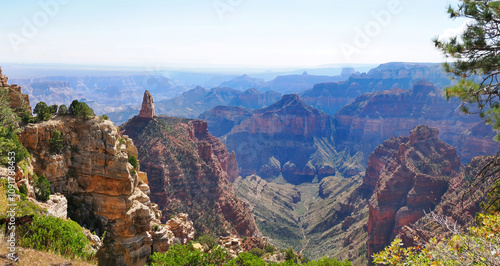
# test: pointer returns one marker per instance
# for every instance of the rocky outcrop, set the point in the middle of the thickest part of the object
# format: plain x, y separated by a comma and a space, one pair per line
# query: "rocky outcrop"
178, 230
104, 192
56, 205
374, 117
407, 176
17, 100
148, 106
236, 245
3, 80
188, 172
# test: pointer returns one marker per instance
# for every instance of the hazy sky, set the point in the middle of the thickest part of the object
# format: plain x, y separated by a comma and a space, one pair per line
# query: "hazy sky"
222, 33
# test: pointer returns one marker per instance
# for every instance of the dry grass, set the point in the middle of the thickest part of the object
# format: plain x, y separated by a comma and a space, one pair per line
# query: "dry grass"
31, 257
3, 201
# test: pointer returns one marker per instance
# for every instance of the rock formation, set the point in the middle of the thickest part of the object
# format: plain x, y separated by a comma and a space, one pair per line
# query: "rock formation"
407, 176
287, 137
104, 192
17, 100
189, 171
374, 117
177, 230
148, 106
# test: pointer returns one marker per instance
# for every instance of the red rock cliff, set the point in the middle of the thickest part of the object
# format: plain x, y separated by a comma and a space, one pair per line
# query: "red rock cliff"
408, 176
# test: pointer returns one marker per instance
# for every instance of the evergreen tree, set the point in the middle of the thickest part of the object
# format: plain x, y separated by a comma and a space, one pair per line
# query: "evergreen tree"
476, 63
80, 109
56, 142
42, 112
63, 110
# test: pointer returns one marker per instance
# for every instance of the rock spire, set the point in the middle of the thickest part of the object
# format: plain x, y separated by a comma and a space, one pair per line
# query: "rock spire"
148, 106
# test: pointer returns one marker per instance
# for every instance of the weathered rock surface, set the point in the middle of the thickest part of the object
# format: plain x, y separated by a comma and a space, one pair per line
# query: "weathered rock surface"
408, 176
148, 106
56, 205
189, 171
94, 174
177, 230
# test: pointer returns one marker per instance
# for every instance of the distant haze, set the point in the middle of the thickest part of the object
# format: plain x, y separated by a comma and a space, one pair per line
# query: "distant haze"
225, 34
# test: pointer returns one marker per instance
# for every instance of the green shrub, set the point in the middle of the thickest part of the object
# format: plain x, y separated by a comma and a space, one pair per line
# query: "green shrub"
42, 111
80, 109
247, 259
257, 252
9, 142
53, 109
27, 118
270, 249
23, 191
56, 142
42, 188
133, 161
53, 234
156, 228
105, 117
290, 255
63, 110
23, 207
186, 255
208, 240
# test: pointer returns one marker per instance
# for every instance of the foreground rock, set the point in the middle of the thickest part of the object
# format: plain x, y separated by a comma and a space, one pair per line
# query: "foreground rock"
102, 188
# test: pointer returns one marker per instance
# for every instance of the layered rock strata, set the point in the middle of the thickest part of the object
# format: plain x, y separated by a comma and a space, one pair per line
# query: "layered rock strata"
408, 175
104, 191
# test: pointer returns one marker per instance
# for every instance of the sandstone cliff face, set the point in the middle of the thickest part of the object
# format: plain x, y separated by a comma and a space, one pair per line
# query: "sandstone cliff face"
375, 117
94, 174
189, 171
408, 176
288, 137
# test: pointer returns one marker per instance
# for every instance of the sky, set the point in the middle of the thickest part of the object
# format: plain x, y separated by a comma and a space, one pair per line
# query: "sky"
223, 33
